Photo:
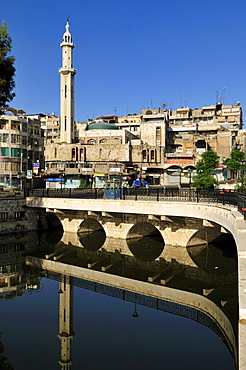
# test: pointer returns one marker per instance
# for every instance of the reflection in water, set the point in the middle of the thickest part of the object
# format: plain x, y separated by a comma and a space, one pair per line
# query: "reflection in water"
53, 237
216, 253
4, 364
92, 241
146, 249
141, 266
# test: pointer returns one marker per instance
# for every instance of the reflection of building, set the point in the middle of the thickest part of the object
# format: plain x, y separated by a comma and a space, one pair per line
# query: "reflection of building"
15, 277
66, 333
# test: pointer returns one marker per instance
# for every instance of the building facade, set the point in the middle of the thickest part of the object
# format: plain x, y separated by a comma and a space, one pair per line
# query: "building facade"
21, 145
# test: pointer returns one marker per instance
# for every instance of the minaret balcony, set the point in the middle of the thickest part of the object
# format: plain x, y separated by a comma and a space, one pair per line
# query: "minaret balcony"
66, 71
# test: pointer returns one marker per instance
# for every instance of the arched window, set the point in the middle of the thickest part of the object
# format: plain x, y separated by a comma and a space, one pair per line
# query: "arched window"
73, 154
102, 141
82, 154
144, 155
91, 141
152, 155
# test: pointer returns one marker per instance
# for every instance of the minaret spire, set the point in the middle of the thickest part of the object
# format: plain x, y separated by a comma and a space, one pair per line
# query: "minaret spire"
67, 73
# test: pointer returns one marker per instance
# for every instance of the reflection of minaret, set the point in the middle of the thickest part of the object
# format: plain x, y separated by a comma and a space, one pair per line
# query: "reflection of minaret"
66, 332
67, 73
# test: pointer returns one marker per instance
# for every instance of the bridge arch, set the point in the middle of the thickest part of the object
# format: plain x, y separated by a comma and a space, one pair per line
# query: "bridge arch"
213, 250
145, 241
91, 234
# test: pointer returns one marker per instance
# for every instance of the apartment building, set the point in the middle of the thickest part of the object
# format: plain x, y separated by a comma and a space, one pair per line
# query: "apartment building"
21, 146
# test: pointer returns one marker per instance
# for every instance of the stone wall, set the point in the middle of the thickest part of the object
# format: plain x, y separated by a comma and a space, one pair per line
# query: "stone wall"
16, 217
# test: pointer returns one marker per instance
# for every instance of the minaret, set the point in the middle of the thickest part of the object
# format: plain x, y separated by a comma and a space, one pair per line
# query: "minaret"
67, 73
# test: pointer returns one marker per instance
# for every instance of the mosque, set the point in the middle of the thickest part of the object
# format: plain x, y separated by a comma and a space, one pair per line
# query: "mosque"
159, 146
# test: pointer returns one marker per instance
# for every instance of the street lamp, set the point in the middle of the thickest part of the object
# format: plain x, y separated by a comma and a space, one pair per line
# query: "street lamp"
190, 170
242, 162
108, 169
180, 170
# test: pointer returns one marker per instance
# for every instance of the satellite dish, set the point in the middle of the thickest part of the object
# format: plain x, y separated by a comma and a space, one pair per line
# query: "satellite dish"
163, 104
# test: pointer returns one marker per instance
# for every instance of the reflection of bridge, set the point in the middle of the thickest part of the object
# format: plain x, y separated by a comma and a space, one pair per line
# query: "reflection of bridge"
118, 217
178, 302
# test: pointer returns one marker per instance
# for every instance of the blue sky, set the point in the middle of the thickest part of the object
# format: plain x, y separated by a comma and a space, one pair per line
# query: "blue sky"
129, 54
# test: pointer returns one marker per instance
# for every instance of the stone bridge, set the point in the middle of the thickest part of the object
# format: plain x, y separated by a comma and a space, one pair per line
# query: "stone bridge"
179, 223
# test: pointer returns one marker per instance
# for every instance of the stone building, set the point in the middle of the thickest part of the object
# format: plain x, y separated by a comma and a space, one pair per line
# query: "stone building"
50, 125
192, 132
21, 145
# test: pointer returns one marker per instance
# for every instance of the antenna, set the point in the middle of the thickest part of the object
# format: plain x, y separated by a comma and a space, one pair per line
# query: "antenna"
217, 97
115, 110
222, 99
163, 104
180, 97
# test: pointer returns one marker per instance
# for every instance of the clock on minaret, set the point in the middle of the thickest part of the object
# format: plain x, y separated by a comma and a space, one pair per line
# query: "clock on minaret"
67, 73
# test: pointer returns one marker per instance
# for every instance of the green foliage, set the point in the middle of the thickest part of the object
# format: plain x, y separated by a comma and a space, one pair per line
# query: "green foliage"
209, 161
241, 186
233, 162
7, 69
204, 180
83, 185
205, 166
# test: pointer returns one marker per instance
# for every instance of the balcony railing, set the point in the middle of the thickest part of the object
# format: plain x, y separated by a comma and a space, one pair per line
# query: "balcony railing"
214, 196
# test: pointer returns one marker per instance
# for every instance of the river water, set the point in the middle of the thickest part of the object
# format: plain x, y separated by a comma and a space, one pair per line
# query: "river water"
104, 327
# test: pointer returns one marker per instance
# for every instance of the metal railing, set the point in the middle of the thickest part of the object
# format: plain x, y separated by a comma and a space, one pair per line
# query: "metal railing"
217, 196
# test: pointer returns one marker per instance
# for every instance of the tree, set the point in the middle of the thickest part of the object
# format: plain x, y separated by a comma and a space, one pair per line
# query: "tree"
233, 162
7, 69
209, 161
205, 166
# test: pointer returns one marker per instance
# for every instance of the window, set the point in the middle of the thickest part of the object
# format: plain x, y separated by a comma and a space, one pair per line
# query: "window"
74, 154
19, 214
3, 249
158, 136
91, 141
15, 152
24, 126
4, 215
55, 154
152, 155
82, 154
144, 154
15, 138
15, 167
4, 138
24, 153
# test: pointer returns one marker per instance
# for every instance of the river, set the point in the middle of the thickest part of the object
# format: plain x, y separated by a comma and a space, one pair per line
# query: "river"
102, 326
